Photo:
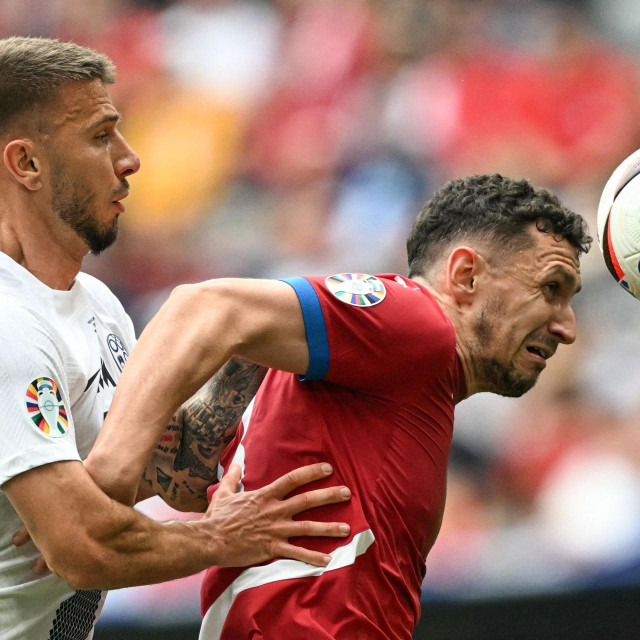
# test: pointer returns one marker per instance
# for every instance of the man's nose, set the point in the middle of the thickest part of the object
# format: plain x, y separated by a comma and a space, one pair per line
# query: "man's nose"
128, 161
563, 325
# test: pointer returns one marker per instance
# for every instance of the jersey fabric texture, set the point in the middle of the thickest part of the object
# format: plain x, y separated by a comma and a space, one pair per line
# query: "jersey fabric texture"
62, 354
377, 403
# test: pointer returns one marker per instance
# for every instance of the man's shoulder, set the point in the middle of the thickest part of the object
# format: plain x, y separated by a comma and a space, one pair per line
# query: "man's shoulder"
15, 313
24, 329
394, 299
366, 290
94, 285
99, 292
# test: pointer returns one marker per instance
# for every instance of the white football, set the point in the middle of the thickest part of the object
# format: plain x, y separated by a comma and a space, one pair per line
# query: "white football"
619, 224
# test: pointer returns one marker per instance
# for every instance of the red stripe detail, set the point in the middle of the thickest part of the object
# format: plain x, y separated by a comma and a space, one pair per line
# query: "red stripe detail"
614, 260
633, 160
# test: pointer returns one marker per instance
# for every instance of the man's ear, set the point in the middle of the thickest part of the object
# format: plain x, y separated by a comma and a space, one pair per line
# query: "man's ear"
463, 266
23, 163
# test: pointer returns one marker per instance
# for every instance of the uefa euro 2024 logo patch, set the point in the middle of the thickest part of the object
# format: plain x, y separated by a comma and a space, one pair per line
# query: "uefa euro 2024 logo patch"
46, 408
357, 289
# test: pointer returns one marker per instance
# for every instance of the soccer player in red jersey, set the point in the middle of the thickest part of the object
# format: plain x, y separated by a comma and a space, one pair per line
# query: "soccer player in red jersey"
365, 373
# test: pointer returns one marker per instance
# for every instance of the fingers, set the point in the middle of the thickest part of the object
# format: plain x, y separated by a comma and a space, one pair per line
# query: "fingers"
297, 528
297, 478
317, 558
211, 490
21, 537
229, 483
316, 498
40, 567
257, 525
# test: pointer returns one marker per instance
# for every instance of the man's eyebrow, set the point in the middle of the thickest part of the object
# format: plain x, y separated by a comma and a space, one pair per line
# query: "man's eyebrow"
108, 117
568, 277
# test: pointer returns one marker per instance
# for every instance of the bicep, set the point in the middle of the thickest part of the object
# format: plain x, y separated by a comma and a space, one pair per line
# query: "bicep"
268, 320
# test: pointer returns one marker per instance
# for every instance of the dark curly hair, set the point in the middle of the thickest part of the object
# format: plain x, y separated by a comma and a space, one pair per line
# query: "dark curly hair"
494, 208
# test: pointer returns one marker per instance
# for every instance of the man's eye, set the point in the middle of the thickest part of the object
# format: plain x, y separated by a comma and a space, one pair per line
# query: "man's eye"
552, 287
102, 136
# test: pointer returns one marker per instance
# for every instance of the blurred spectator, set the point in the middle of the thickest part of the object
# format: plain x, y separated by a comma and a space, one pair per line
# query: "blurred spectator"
189, 147
304, 124
227, 48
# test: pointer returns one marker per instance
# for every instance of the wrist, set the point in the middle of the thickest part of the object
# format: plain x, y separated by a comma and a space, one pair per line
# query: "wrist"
207, 543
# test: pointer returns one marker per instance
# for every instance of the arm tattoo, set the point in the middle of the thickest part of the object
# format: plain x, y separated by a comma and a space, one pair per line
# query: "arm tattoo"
194, 440
211, 418
164, 479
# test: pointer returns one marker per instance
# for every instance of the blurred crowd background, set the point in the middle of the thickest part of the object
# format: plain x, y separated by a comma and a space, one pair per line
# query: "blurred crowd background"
293, 137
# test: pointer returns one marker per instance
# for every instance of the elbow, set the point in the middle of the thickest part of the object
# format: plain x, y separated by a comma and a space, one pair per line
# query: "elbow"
80, 581
83, 567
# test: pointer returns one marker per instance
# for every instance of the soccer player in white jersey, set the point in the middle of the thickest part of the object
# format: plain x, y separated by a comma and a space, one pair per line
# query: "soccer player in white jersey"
64, 339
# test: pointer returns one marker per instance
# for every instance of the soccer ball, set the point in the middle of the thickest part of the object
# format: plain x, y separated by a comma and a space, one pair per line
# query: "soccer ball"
619, 224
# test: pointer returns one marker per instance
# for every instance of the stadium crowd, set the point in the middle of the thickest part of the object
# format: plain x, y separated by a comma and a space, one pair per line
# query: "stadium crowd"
302, 136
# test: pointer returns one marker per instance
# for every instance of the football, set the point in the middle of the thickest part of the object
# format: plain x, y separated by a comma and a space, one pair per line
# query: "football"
619, 224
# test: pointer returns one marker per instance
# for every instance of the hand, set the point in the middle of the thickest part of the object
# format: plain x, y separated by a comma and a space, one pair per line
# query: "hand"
20, 538
254, 526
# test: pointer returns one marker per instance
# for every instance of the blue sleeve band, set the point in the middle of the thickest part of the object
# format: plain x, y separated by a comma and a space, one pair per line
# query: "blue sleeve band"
314, 327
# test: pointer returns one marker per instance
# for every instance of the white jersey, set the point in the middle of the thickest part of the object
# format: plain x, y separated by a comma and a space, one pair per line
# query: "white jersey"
61, 354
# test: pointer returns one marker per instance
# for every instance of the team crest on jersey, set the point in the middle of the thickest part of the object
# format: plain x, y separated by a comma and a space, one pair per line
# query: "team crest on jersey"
45, 407
118, 350
357, 289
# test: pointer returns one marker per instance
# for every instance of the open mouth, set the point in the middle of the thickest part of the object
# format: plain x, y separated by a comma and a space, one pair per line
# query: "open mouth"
538, 354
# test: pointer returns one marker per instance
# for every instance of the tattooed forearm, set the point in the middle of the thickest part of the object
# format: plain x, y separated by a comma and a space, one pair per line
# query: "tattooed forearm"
210, 418
185, 461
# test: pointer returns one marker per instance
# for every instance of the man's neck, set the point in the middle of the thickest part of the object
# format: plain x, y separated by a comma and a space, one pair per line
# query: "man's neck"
49, 252
449, 308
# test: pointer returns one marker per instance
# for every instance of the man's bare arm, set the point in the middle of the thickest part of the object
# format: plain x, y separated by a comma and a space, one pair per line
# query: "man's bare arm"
184, 462
94, 542
197, 330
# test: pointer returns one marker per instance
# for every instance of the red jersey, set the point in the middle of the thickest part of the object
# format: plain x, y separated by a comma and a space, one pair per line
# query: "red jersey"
377, 403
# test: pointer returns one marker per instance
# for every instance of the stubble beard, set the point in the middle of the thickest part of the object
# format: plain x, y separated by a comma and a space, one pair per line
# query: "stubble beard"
74, 203
496, 376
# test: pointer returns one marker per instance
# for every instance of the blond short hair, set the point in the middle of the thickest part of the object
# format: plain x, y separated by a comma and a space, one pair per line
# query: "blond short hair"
32, 71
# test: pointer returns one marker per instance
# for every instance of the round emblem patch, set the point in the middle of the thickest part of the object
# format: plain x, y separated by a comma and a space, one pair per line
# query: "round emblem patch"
46, 408
358, 289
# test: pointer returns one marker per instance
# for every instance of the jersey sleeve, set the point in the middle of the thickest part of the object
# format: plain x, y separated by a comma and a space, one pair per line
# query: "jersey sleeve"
391, 337
36, 426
